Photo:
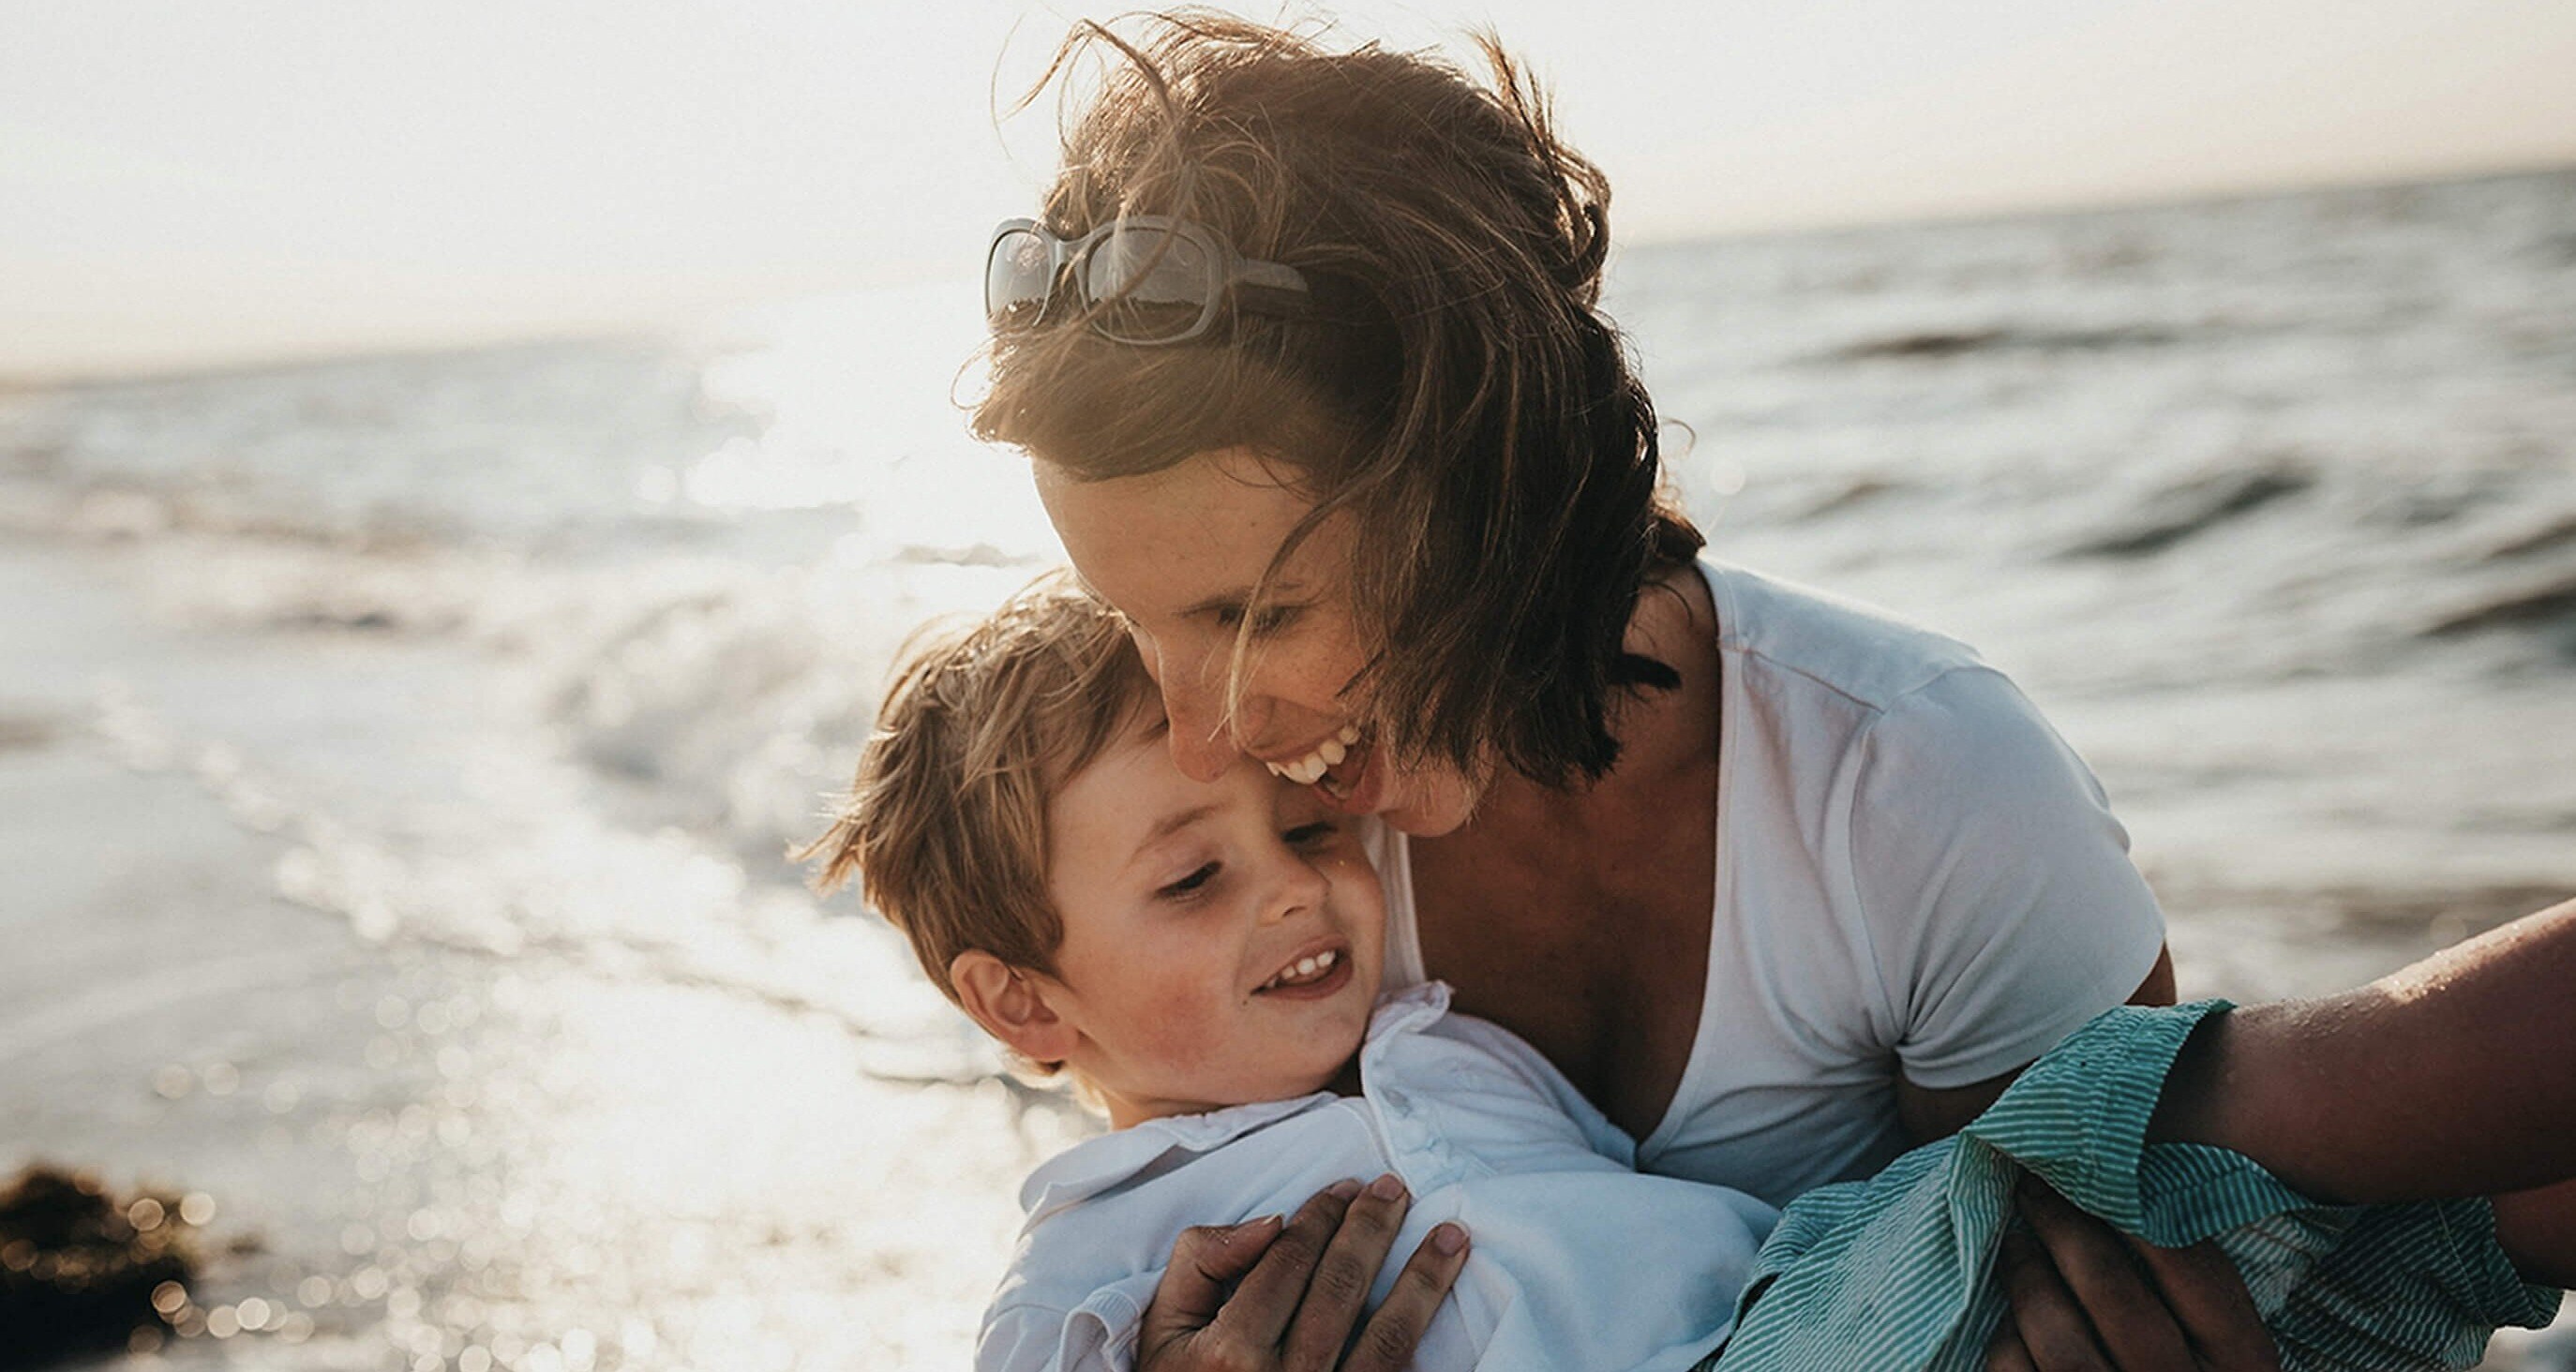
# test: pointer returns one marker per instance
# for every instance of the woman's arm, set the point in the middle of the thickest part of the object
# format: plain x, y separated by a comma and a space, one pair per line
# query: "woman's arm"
2453, 1077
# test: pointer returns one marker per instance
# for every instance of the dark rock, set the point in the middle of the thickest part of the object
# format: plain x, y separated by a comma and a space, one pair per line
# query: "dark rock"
79, 1266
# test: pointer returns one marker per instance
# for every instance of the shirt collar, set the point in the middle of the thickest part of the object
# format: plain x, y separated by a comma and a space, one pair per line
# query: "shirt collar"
1099, 1164
1407, 1011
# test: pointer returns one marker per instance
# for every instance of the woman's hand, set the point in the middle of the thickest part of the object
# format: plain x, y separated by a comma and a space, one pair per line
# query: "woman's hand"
1261, 1296
2086, 1297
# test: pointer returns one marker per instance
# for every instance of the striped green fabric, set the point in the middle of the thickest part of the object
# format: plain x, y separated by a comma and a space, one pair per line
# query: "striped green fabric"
1892, 1273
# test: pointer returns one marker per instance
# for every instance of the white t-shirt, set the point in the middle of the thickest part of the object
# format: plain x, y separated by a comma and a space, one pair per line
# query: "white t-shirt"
1482, 1130
1915, 875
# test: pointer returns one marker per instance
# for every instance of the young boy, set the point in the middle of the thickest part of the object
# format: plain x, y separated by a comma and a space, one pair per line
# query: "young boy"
1203, 960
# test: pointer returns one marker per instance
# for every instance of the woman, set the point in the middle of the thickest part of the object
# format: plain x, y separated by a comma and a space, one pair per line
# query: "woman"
1306, 350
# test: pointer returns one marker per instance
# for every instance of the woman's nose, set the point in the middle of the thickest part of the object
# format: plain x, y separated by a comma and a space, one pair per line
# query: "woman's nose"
1202, 747
1206, 738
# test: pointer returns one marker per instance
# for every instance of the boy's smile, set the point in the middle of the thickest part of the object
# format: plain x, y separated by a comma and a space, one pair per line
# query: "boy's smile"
1222, 940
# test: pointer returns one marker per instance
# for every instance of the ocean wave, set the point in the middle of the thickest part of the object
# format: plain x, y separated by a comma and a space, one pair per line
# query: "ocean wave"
2188, 509
1943, 343
532, 871
2144, 452
2546, 607
738, 705
2550, 536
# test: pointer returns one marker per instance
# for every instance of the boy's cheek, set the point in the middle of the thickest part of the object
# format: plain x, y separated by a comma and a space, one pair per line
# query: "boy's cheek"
1180, 1038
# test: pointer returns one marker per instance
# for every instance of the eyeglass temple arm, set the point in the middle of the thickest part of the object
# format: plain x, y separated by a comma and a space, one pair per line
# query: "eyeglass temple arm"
1272, 276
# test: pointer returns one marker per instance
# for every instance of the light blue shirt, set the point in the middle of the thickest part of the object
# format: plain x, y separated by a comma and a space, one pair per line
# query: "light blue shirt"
1578, 1260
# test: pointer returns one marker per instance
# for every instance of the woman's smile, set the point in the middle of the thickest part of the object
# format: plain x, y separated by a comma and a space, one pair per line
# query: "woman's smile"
1308, 767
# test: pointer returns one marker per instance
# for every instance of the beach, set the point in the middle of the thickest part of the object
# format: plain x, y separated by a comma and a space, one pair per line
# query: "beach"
399, 756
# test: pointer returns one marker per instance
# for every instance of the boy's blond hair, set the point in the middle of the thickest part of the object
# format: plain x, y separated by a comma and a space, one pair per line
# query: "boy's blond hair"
946, 823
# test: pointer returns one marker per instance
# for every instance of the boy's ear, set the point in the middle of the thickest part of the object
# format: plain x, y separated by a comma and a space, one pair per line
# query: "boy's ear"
1011, 1005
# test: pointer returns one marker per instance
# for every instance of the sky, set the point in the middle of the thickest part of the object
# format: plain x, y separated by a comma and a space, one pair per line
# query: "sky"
187, 185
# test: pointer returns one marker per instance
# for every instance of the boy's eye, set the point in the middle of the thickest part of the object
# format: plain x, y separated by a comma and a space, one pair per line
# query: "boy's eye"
1306, 835
1188, 884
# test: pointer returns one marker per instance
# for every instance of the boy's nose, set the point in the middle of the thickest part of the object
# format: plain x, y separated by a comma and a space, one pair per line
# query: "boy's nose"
1301, 886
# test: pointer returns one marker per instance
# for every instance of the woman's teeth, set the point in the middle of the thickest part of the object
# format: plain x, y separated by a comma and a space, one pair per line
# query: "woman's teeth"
1308, 770
1303, 970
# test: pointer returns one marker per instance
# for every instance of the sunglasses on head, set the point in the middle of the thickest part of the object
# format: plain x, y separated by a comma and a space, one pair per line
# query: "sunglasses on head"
1144, 278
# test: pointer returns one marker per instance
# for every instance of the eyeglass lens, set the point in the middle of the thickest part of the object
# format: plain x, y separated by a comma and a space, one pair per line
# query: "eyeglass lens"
1149, 284
1018, 276
1144, 284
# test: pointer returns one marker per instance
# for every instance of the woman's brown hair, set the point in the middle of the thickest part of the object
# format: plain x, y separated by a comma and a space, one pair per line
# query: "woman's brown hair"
1456, 388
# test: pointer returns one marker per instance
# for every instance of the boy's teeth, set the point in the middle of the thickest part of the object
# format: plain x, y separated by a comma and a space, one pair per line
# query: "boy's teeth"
1349, 735
1304, 969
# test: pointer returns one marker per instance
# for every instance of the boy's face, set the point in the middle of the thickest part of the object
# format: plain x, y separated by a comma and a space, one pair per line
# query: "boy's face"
1222, 940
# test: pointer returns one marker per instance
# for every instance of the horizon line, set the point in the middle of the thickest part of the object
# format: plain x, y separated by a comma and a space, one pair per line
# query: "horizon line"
19, 380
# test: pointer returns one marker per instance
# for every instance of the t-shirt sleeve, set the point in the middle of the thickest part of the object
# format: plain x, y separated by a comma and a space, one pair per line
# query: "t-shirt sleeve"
1994, 885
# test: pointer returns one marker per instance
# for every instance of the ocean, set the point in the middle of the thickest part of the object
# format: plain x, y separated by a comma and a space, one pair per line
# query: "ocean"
399, 754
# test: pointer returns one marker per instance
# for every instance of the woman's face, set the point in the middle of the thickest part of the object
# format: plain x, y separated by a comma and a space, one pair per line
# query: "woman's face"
1178, 552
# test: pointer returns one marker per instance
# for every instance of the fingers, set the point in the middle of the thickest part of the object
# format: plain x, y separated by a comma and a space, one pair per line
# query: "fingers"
2006, 1353
1269, 1296
1205, 1261
1344, 1274
2047, 1326
2128, 1314
2208, 1296
1387, 1344
1297, 1288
